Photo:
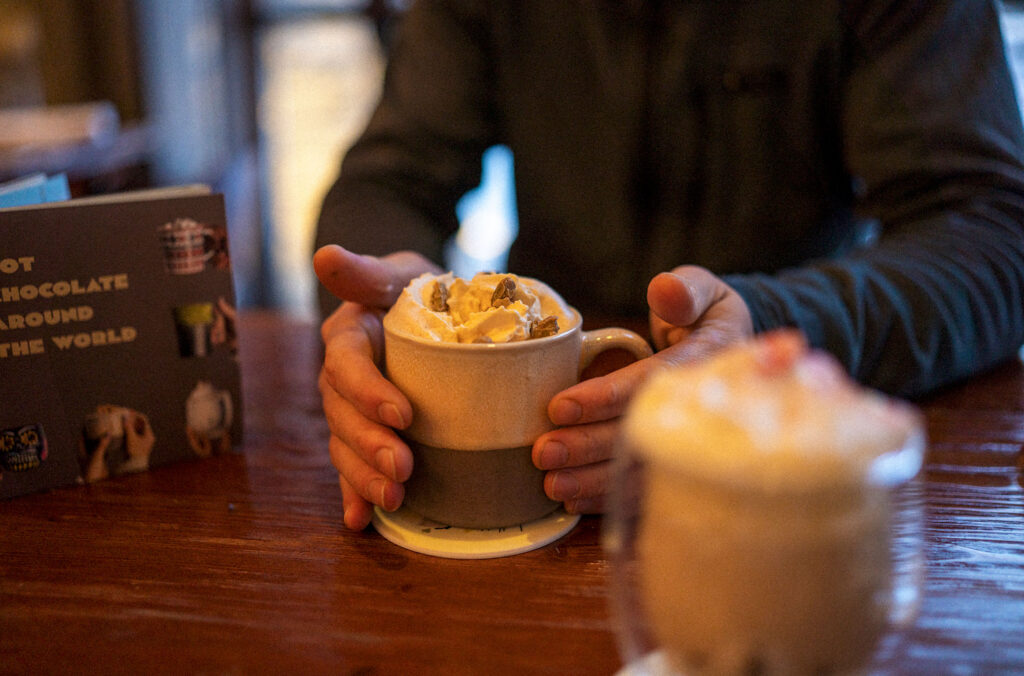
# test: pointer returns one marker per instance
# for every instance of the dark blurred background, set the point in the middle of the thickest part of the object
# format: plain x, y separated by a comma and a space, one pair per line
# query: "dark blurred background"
256, 98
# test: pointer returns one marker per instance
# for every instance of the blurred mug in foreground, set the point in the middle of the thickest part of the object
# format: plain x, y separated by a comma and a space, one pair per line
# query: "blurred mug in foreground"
764, 518
479, 361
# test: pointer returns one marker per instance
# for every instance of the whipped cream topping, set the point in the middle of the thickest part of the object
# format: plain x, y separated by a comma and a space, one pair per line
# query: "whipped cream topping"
470, 315
769, 413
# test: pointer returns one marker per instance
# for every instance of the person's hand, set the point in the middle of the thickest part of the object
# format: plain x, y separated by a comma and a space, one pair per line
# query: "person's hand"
200, 444
362, 407
693, 314
224, 331
96, 468
204, 446
138, 435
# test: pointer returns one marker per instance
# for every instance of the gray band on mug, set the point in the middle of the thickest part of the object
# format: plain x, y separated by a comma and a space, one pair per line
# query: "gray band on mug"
476, 489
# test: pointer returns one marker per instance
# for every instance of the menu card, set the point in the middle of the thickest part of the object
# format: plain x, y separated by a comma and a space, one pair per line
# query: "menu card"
117, 337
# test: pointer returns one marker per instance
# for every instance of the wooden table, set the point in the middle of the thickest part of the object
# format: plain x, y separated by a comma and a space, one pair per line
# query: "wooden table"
240, 564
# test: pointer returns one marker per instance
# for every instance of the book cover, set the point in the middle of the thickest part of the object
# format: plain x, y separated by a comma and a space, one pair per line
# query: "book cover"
117, 337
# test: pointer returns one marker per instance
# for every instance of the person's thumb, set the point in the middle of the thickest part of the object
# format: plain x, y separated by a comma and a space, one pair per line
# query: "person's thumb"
680, 297
368, 280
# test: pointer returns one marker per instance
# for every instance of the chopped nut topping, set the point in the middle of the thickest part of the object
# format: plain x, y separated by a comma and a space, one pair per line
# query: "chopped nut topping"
504, 292
544, 327
439, 298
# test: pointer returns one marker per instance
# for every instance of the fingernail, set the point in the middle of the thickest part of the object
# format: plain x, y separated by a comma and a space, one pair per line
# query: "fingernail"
564, 486
553, 455
390, 415
378, 492
385, 461
566, 412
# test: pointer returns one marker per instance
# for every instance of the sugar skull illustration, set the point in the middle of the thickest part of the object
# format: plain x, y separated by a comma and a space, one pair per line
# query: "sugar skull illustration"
22, 448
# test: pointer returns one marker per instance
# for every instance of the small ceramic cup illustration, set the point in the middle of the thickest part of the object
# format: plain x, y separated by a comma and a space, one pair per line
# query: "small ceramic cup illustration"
194, 322
184, 246
208, 411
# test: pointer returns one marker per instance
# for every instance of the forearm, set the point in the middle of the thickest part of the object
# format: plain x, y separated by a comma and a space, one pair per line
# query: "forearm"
914, 314
936, 145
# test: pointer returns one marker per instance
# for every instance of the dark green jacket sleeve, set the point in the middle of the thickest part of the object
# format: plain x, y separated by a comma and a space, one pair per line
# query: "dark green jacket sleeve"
421, 150
933, 135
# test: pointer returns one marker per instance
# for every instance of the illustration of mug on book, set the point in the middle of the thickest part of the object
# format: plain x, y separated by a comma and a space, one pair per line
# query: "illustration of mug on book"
208, 415
190, 246
115, 440
203, 326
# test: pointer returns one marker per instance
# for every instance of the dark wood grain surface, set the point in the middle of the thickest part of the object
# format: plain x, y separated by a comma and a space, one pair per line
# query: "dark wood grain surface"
240, 564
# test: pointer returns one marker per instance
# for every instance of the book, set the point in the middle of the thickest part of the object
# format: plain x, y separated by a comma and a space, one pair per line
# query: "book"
117, 337
34, 189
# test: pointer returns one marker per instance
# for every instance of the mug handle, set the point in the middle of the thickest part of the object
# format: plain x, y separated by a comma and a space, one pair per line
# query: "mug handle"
208, 232
597, 341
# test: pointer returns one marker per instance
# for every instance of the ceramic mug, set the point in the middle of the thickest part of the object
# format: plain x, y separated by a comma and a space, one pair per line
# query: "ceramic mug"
478, 408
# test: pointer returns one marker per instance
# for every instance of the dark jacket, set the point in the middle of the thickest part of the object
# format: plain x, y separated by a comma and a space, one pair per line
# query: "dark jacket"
767, 140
